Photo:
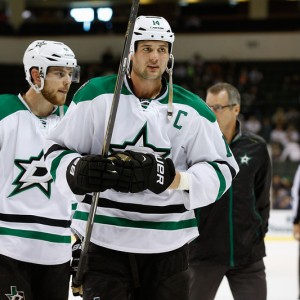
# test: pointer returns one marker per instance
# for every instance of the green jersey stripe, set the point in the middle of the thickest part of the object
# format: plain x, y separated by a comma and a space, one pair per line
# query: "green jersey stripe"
137, 224
56, 162
29, 234
221, 179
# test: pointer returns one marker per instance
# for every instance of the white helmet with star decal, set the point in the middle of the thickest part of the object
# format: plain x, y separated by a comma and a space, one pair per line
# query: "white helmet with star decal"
43, 54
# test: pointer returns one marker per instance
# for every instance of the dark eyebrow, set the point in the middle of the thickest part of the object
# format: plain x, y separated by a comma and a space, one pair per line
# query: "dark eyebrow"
149, 45
58, 68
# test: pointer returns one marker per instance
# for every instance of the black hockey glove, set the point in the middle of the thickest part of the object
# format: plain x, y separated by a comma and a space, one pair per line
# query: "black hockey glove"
76, 252
140, 171
91, 173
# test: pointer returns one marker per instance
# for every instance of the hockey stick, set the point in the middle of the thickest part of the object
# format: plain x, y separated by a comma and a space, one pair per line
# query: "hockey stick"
77, 281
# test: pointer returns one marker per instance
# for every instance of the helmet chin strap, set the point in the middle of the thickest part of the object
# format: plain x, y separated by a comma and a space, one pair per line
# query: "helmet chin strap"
170, 100
38, 88
35, 86
128, 64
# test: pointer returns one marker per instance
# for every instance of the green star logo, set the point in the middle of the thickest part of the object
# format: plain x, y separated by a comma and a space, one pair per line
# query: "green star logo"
33, 173
140, 141
15, 294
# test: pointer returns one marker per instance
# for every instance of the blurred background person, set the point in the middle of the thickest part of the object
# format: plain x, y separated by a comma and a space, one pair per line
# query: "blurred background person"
232, 230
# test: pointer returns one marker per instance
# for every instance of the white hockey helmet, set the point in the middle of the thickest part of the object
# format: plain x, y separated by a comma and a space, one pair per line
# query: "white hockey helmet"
152, 28
43, 54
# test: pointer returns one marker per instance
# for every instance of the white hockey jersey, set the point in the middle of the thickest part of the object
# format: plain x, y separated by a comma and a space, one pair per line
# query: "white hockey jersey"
34, 216
143, 222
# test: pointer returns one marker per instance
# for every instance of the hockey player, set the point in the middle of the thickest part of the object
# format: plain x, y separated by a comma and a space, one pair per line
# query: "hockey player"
232, 230
35, 236
167, 157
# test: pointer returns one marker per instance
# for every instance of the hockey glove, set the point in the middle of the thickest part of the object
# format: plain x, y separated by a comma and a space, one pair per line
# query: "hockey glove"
91, 173
76, 252
140, 171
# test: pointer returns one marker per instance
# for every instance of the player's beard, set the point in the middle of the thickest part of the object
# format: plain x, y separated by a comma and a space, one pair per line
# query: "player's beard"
54, 97
146, 75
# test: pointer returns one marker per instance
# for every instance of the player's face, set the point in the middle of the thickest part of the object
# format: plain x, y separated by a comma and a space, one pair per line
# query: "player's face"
226, 113
150, 59
57, 84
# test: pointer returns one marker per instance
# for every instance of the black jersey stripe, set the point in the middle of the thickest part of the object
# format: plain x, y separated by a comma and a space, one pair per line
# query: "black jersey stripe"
34, 219
231, 169
145, 209
54, 148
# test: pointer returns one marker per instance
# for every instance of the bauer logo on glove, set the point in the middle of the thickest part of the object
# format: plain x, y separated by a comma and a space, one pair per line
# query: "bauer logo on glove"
160, 170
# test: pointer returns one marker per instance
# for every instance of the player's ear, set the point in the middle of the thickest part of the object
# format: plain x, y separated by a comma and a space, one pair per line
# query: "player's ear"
35, 75
237, 109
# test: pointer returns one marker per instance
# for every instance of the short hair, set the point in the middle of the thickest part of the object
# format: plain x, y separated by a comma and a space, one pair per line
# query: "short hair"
234, 96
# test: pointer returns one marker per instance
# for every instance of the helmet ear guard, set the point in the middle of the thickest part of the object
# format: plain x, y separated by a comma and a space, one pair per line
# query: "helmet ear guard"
170, 64
43, 54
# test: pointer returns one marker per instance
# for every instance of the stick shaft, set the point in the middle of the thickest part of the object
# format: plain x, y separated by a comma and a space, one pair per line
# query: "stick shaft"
77, 281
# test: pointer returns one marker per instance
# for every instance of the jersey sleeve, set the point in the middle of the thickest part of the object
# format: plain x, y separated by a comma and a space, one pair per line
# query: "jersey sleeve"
72, 138
212, 164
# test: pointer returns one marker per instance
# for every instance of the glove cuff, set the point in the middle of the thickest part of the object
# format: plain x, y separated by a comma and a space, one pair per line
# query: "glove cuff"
70, 174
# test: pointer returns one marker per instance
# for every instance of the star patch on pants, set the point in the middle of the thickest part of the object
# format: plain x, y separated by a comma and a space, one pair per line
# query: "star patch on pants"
15, 294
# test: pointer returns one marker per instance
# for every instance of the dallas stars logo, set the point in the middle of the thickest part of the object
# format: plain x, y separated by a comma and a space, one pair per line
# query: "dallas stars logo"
33, 173
40, 44
140, 141
15, 294
245, 159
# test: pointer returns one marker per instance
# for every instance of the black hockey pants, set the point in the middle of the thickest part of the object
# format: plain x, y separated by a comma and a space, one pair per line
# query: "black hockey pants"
114, 275
21, 280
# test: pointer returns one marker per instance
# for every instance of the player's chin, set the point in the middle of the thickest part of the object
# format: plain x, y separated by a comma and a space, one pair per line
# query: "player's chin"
60, 99
154, 75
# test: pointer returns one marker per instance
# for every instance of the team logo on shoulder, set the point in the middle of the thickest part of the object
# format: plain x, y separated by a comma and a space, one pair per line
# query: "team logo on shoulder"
33, 174
15, 294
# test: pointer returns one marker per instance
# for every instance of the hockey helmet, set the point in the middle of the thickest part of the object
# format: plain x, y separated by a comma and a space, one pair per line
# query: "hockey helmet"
43, 54
152, 28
